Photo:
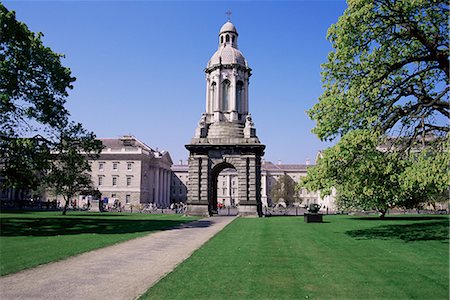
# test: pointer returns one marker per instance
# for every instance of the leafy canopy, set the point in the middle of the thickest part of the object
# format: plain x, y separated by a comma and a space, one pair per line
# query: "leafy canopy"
388, 71
67, 175
387, 76
33, 90
284, 190
34, 84
39, 146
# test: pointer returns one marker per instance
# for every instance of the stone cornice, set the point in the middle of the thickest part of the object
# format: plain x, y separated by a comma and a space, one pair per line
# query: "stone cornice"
229, 66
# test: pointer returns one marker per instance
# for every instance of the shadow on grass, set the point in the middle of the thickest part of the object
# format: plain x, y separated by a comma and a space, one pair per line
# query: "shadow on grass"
403, 218
198, 224
62, 226
429, 231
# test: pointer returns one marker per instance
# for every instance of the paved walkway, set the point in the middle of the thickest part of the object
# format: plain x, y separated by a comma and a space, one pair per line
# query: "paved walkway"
122, 271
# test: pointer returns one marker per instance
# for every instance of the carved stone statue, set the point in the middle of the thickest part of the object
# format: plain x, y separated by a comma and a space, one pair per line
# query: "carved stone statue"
248, 122
249, 128
201, 130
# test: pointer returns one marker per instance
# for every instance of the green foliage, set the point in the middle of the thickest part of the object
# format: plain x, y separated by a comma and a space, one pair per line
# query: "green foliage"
33, 82
21, 158
284, 190
367, 178
67, 174
388, 70
428, 176
387, 75
364, 177
345, 258
33, 90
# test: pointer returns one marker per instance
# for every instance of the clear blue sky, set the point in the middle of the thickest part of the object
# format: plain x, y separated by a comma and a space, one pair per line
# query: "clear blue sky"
140, 65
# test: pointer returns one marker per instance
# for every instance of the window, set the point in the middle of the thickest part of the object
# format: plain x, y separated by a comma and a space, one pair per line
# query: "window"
114, 181
233, 191
224, 191
115, 166
232, 39
224, 183
113, 195
227, 38
100, 180
100, 166
225, 94
233, 183
129, 166
181, 191
221, 39
127, 199
129, 180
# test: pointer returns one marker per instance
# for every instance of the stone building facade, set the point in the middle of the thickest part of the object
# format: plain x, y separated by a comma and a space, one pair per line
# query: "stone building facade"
133, 173
228, 182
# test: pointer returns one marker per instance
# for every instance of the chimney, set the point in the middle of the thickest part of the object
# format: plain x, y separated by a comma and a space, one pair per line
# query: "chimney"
181, 161
307, 162
279, 162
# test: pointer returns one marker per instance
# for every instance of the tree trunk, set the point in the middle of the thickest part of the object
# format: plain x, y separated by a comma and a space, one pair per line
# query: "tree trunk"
382, 213
66, 206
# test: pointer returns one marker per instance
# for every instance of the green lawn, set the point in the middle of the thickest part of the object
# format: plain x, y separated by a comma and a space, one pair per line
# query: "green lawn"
402, 257
29, 239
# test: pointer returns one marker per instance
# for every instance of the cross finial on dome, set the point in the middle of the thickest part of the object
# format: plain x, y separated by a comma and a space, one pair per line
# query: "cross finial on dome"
229, 13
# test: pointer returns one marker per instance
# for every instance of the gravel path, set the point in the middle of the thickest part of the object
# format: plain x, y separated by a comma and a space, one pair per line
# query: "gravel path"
122, 271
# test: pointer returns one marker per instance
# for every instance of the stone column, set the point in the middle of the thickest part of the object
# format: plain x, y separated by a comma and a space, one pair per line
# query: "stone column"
230, 194
264, 189
245, 95
156, 183
167, 188
161, 187
252, 180
233, 108
208, 95
198, 184
218, 93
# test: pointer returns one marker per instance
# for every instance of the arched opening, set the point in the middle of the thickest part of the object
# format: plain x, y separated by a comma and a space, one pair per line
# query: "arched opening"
224, 188
225, 95
227, 38
239, 92
212, 97
232, 39
221, 39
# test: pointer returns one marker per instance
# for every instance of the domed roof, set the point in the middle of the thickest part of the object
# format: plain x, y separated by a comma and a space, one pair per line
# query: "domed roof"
228, 27
227, 55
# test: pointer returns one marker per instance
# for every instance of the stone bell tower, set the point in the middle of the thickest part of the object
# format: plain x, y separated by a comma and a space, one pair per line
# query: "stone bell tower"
225, 136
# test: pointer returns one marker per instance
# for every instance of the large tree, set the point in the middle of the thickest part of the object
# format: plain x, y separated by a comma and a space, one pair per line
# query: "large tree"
367, 177
364, 177
39, 146
385, 86
284, 190
33, 89
388, 71
68, 172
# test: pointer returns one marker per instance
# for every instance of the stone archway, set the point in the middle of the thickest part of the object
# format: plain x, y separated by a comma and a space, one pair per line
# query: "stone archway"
205, 164
225, 134
215, 173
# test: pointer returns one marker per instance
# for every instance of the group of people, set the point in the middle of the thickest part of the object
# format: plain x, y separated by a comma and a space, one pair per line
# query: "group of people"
179, 207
